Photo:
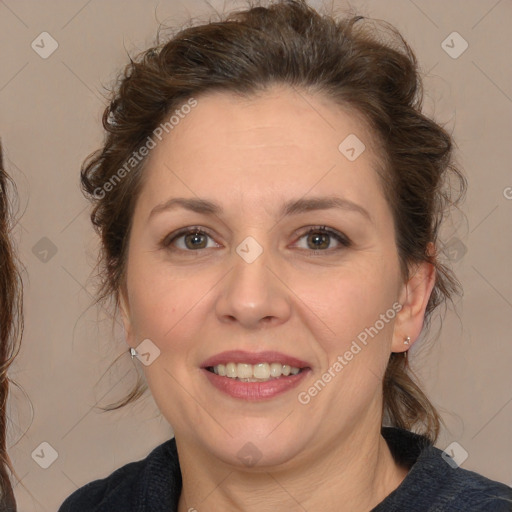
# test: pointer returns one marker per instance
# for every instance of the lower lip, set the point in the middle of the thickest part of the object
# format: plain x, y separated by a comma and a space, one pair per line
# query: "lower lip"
255, 391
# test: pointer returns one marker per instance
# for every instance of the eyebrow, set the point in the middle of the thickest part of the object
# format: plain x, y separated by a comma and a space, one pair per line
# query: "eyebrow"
292, 207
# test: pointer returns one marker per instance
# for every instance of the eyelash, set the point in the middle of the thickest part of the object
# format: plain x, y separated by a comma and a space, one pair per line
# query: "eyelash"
342, 239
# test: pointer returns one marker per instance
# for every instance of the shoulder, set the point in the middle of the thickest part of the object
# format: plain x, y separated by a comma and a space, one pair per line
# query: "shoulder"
460, 489
436, 483
467, 490
129, 485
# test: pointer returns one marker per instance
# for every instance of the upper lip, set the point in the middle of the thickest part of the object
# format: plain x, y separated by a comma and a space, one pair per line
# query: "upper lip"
241, 356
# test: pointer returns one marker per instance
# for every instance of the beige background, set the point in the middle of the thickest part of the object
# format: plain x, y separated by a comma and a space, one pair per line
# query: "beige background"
50, 113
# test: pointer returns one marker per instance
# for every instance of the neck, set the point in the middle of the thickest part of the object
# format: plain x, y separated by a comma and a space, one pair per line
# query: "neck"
356, 473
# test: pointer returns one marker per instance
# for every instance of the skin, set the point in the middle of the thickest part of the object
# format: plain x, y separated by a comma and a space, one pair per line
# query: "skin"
252, 155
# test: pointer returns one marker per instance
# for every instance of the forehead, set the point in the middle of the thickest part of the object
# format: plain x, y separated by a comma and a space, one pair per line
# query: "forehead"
282, 142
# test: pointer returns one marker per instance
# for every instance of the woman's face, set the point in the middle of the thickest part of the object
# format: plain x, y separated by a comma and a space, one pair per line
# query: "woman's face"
253, 280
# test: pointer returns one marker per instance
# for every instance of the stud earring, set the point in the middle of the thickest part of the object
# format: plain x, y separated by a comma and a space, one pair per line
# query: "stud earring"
133, 352
407, 340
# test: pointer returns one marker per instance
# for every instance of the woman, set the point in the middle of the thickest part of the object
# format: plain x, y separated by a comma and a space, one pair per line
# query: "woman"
11, 326
268, 199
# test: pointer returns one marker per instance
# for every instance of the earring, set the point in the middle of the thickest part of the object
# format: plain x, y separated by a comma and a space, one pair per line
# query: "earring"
406, 342
133, 352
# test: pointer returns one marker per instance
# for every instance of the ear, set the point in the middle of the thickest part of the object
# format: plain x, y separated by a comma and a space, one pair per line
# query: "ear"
414, 298
125, 314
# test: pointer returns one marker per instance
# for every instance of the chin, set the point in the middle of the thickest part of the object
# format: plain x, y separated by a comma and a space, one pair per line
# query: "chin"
260, 449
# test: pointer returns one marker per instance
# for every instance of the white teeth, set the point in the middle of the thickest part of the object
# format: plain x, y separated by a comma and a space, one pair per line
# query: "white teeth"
261, 371
243, 371
275, 369
255, 373
231, 370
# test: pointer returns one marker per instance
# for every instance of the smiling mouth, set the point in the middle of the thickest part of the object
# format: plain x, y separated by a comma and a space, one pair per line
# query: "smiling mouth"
261, 372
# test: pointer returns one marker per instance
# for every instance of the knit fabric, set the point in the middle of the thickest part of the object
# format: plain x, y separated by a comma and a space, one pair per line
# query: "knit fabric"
431, 485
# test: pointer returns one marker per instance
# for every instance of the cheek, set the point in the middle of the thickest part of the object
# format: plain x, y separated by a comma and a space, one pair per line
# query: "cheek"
158, 305
167, 310
169, 306
359, 310
351, 300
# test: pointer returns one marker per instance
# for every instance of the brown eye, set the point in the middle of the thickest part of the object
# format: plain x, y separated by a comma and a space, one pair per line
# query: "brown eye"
196, 240
193, 239
319, 238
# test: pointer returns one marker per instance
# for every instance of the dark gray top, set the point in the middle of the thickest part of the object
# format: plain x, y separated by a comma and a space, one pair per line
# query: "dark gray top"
432, 485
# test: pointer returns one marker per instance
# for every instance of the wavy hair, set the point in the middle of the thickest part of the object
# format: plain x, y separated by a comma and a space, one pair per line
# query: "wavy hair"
11, 328
359, 63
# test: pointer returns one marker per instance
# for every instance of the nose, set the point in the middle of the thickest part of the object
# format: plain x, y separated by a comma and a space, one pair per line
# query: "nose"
254, 293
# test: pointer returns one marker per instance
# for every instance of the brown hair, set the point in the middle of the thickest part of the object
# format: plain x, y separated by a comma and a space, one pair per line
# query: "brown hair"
358, 63
11, 327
